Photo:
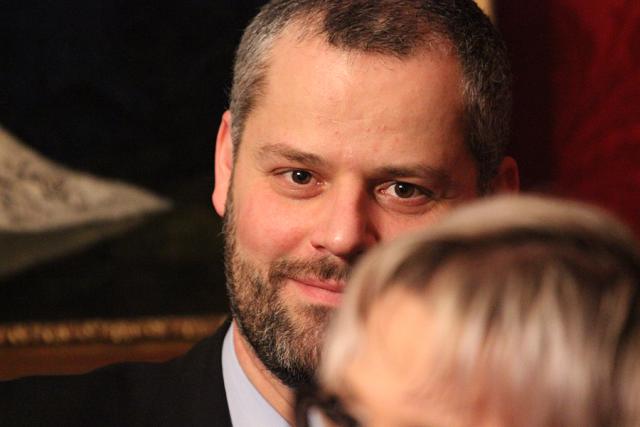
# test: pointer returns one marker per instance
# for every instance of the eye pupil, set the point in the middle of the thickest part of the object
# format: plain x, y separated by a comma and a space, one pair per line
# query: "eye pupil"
403, 190
301, 177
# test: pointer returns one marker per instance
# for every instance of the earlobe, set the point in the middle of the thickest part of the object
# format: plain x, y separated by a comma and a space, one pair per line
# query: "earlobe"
223, 164
507, 180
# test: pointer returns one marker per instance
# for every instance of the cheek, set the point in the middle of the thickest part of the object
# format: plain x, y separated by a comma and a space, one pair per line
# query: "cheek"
391, 227
267, 228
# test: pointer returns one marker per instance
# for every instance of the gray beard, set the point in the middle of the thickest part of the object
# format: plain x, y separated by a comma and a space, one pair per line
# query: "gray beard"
286, 339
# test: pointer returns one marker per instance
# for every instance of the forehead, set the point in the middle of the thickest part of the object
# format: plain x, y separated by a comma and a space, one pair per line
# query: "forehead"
324, 94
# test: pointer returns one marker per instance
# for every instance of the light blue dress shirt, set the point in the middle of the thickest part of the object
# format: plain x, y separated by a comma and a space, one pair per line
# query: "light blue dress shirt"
246, 405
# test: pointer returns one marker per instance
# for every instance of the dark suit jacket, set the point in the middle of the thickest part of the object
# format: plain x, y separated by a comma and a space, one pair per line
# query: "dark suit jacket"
187, 391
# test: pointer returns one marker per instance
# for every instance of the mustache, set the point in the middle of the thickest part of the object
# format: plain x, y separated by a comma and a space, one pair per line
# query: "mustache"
323, 268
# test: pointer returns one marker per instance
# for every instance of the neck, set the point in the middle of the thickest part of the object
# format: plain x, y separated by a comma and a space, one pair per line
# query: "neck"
279, 396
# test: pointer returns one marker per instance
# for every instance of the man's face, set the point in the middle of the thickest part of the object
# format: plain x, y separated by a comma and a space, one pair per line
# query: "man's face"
342, 150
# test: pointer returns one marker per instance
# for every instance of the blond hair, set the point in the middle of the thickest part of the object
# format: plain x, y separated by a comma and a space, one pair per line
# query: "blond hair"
537, 305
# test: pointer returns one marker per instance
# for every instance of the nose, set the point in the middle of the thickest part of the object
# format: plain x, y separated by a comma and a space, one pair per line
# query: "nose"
345, 229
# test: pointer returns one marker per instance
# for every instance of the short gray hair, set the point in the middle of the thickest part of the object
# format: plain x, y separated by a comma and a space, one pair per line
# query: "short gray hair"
540, 297
398, 28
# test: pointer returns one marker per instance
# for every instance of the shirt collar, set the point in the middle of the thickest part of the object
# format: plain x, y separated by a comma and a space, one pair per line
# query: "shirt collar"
248, 408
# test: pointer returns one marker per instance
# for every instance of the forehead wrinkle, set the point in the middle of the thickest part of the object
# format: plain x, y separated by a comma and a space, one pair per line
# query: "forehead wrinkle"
291, 154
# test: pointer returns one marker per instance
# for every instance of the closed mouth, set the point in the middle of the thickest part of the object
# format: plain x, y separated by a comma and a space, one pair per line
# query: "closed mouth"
328, 285
325, 292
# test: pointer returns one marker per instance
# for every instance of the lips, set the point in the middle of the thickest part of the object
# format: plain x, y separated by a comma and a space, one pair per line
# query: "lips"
329, 285
328, 292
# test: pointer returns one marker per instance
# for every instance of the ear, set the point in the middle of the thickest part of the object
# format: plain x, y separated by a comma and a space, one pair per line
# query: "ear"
223, 164
507, 180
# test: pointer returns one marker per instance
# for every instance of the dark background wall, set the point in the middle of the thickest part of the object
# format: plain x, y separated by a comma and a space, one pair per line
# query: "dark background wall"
133, 90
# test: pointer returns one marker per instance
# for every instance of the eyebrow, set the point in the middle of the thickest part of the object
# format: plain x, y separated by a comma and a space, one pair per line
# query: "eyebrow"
294, 155
418, 170
415, 170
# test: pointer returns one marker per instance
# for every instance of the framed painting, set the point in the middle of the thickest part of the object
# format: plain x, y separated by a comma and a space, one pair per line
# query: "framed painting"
109, 245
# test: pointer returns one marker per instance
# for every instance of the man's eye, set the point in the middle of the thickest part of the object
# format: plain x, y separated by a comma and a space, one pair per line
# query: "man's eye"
296, 183
405, 190
301, 177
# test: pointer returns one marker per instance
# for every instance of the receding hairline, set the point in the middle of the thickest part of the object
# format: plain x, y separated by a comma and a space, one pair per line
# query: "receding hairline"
309, 27
395, 29
305, 27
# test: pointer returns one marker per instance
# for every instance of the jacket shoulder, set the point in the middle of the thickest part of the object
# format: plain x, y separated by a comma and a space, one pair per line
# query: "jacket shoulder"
186, 391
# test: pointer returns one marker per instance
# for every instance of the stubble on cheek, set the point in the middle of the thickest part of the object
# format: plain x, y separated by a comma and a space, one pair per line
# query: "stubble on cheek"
285, 334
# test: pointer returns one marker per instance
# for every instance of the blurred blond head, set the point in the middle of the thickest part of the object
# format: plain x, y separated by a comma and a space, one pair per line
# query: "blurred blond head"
514, 311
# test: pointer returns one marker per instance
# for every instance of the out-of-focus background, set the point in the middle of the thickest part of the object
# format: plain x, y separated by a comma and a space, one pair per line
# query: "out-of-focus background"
131, 92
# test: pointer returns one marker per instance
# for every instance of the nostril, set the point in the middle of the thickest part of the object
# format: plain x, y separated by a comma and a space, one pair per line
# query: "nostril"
343, 242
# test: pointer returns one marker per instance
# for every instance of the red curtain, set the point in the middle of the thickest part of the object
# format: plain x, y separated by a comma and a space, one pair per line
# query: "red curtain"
577, 109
